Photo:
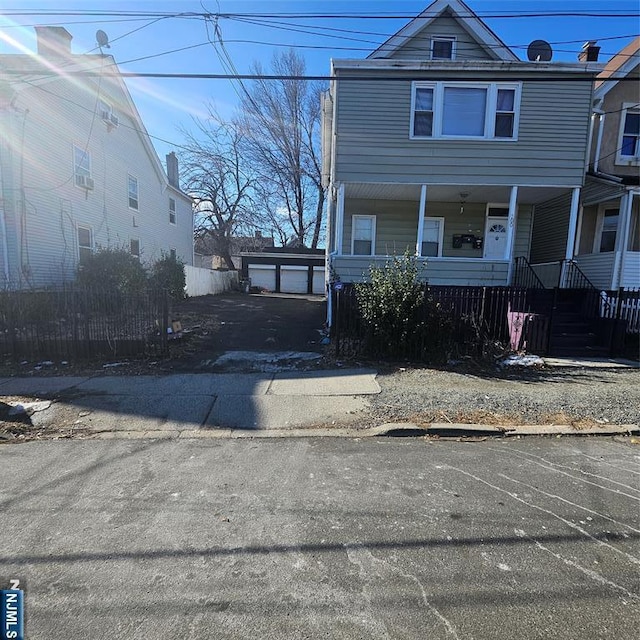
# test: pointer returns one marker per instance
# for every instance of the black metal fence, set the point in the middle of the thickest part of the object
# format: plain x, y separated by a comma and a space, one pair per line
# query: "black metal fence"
80, 324
473, 317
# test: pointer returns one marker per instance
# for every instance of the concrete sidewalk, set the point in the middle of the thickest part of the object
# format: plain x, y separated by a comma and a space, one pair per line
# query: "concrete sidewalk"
175, 403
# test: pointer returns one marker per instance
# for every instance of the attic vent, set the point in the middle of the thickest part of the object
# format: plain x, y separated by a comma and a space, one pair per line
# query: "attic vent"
443, 48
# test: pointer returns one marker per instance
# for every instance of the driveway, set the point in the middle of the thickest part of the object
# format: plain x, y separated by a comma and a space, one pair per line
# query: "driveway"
237, 322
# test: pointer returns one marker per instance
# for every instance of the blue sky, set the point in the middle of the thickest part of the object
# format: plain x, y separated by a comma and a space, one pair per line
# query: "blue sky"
167, 104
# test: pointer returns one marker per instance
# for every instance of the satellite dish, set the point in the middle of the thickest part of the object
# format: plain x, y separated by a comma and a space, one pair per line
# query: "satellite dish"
539, 51
102, 39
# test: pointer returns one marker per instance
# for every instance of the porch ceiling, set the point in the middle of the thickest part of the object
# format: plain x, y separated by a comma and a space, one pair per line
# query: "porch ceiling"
451, 193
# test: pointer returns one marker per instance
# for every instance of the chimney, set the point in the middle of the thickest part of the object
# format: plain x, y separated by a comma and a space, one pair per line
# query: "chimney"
590, 52
172, 170
53, 42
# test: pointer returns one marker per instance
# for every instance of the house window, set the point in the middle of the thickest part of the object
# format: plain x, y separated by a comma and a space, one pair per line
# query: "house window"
82, 167
442, 48
432, 236
363, 235
172, 254
629, 146
133, 192
135, 247
607, 240
85, 243
172, 210
462, 110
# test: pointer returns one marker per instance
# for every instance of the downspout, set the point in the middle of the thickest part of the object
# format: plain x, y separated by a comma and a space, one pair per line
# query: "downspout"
596, 160
3, 227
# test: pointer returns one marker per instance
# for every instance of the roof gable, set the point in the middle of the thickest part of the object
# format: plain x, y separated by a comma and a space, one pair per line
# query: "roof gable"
413, 40
619, 66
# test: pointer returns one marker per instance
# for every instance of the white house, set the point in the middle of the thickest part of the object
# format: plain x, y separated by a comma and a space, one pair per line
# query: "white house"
77, 168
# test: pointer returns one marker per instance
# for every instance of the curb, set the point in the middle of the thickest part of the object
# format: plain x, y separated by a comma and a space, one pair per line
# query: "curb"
403, 429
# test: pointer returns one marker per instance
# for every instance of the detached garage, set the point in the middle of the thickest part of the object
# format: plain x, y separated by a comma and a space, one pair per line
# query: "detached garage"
286, 270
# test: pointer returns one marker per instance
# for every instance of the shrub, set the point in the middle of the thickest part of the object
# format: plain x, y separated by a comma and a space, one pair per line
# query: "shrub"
400, 318
112, 269
168, 273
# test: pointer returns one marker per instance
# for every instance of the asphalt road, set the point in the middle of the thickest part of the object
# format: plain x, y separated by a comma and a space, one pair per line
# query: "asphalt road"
324, 538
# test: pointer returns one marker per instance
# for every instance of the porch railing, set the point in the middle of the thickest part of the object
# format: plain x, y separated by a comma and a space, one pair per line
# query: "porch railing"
525, 276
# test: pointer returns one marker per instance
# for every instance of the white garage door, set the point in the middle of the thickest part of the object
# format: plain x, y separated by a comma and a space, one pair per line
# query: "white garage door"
318, 280
263, 275
293, 279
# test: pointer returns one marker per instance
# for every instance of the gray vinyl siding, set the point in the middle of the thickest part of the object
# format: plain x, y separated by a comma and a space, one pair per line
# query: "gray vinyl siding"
598, 267
551, 221
419, 46
373, 144
550, 228
397, 225
55, 206
436, 271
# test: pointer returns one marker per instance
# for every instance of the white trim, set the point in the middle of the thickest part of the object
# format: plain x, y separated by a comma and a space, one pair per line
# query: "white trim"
573, 223
576, 249
436, 38
512, 221
440, 220
628, 213
463, 14
373, 233
438, 259
439, 87
627, 161
596, 160
621, 72
421, 212
339, 220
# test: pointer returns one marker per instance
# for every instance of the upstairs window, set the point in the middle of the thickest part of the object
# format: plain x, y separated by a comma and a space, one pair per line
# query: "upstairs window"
462, 110
629, 147
443, 48
172, 210
133, 192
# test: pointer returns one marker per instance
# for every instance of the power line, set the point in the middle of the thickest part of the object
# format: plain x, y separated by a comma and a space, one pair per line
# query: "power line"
480, 76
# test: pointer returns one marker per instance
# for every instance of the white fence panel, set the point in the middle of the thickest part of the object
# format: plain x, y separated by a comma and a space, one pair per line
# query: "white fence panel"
203, 282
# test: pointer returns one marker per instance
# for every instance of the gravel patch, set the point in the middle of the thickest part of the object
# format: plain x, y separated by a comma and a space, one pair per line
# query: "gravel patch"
550, 396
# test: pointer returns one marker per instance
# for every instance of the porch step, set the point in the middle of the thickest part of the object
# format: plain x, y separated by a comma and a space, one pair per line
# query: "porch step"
570, 340
594, 352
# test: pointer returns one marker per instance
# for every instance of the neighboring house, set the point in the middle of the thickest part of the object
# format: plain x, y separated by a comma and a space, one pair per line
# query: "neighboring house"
77, 168
443, 143
208, 258
606, 230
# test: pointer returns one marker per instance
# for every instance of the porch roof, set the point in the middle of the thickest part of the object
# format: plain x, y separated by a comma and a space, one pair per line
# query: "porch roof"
451, 192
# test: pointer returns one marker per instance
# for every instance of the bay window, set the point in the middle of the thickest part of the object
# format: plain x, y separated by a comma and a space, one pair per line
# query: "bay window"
462, 110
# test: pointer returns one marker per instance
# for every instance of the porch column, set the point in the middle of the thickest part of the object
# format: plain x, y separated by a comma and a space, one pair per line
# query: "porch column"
421, 212
573, 224
339, 220
511, 229
622, 239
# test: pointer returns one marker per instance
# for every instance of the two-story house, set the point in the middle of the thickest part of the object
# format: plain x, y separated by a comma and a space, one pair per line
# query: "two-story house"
443, 142
606, 245
77, 168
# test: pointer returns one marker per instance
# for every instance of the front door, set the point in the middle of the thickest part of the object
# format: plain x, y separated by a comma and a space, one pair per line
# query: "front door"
495, 238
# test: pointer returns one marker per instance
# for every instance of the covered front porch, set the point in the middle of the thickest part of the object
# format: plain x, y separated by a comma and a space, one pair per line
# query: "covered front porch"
461, 234
608, 241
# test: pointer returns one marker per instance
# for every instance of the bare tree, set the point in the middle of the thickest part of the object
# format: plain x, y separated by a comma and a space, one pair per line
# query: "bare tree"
221, 183
280, 120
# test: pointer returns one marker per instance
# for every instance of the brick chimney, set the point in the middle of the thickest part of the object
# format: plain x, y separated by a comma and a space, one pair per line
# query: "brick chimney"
172, 170
53, 42
590, 52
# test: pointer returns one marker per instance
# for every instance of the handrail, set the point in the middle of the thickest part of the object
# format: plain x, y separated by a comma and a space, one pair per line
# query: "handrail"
538, 284
573, 266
